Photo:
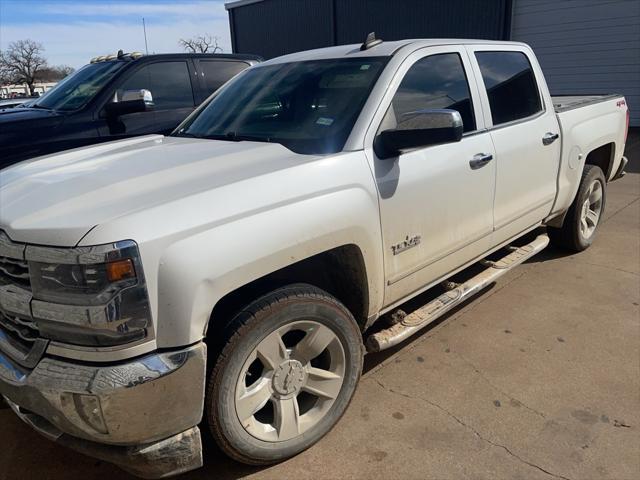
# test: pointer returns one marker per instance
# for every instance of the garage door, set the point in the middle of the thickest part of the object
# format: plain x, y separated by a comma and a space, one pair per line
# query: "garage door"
584, 46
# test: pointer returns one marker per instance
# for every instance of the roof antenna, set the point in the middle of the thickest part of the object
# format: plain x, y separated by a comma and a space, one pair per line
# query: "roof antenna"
370, 42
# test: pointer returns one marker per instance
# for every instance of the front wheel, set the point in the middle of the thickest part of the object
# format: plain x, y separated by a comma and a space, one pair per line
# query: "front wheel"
584, 215
285, 376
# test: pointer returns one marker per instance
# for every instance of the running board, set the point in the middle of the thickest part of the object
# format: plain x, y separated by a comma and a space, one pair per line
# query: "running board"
426, 314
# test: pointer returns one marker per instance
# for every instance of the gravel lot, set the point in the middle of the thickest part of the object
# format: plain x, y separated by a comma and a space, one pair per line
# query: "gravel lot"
537, 378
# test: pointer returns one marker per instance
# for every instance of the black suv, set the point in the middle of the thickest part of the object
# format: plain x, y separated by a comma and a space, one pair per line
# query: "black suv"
112, 98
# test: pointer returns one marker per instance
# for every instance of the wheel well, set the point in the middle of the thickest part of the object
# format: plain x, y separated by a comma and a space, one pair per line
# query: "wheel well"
603, 158
340, 272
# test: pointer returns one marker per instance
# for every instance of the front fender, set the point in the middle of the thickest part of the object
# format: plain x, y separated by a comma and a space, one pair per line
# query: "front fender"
196, 272
197, 249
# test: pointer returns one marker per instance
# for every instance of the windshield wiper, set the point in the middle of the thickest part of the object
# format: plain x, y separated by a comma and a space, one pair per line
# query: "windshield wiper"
185, 134
228, 137
235, 137
35, 105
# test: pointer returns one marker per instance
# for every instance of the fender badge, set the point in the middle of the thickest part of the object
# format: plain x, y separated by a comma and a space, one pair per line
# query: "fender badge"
406, 244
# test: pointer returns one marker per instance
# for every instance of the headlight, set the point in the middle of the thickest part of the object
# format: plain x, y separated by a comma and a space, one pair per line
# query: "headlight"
89, 296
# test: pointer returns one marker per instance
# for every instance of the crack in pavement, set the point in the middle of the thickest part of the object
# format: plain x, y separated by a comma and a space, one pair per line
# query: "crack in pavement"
470, 428
609, 267
490, 383
619, 210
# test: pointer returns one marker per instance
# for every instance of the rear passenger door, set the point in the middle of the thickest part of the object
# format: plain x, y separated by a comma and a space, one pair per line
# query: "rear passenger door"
213, 73
524, 130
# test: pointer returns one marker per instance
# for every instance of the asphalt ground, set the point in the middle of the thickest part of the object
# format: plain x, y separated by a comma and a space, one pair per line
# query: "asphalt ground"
536, 378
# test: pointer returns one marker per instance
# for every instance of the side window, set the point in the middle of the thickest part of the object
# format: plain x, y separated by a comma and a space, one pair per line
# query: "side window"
216, 72
169, 83
511, 85
437, 81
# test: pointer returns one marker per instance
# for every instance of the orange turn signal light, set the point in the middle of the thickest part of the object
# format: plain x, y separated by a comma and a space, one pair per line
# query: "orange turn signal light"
120, 270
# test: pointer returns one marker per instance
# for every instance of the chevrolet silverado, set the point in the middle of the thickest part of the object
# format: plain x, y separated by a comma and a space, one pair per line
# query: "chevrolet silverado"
229, 277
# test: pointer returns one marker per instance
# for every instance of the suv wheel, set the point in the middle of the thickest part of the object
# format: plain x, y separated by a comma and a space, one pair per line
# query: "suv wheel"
286, 375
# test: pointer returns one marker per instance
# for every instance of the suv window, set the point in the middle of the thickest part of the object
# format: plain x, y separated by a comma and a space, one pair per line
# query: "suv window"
169, 83
437, 81
215, 73
511, 85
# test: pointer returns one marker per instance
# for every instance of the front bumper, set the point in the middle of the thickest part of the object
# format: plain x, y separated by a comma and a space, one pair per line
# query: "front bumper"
142, 414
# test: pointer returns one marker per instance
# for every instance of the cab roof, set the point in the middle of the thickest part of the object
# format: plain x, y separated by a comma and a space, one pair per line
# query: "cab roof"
384, 49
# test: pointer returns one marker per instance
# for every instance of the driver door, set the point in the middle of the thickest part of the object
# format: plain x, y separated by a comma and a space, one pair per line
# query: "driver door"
436, 203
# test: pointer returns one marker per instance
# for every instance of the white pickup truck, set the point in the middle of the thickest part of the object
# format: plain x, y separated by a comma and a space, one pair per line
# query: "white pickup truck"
229, 277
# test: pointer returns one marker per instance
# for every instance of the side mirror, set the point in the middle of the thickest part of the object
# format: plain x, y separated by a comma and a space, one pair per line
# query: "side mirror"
131, 101
419, 129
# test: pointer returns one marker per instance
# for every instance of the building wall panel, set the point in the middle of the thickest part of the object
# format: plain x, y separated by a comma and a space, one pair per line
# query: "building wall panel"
584, 46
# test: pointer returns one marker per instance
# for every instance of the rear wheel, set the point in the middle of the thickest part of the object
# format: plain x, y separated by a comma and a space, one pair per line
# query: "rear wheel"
285, 376
584, 215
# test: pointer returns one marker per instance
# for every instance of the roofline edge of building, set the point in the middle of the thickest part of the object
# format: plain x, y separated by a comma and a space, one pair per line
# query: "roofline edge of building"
240, 3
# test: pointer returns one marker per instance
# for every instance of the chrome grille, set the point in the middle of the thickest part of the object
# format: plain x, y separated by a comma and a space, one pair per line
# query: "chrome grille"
14, 272
22, 333
19, 334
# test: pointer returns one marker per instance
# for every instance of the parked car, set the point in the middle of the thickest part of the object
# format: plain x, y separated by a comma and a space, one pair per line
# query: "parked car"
227, 277
115, 97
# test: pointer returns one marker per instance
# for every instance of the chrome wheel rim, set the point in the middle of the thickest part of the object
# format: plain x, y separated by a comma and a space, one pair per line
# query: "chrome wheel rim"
290, 381
591, 210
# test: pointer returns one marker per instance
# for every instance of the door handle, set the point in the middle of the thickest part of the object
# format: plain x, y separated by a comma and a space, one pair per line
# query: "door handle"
479, 160
549, 138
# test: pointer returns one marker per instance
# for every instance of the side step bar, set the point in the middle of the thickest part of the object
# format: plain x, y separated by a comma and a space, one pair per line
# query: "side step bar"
426, 314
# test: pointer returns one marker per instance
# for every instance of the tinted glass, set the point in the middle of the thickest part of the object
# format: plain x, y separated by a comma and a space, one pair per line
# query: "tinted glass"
168, 82
76, 90
216, 73
309, 107
437, 81
511, 85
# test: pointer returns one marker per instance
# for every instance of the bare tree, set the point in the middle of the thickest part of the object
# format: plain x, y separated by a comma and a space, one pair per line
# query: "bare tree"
54, 74
201, 44
22, 61
5, 74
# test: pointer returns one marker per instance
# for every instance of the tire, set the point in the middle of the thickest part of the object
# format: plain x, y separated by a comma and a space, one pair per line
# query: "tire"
581, 224
271, 352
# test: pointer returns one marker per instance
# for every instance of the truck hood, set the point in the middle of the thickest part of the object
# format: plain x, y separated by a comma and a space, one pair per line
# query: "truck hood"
26, 114
57, 199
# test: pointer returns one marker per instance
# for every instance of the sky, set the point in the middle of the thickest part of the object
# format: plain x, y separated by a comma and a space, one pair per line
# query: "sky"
74, 31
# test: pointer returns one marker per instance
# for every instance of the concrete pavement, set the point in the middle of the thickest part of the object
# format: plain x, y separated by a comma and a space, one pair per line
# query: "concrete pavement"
537, 378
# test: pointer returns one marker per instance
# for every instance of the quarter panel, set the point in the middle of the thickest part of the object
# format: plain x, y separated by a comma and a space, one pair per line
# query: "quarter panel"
583, 130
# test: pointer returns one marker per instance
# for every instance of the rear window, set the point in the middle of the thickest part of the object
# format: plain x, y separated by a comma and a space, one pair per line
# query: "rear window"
511, 85
216, 72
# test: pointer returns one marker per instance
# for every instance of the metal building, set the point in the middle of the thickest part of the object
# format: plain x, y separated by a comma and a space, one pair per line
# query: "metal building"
584, 46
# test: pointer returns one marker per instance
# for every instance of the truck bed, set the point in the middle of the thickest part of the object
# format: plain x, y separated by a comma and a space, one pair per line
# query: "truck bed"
562, 103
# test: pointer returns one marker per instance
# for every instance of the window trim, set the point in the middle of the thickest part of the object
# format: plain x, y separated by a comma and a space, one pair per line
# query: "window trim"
543, 103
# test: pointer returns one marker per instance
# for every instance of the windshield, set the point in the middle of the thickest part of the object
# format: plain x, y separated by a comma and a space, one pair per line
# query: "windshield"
309, 107
76, 90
